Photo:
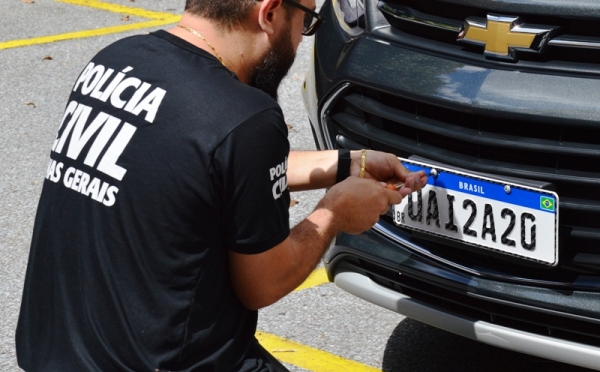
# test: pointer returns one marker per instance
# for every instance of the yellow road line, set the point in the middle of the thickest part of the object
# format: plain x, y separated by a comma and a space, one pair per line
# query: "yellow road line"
157, 19
115, 8
88, 33
316, 278
307, 357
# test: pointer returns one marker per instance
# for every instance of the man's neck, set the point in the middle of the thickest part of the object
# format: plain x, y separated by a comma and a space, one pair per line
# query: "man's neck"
235, 48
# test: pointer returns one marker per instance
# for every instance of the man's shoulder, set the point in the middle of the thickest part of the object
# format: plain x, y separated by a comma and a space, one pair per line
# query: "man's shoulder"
254, 100
218, 94
126, 43
198, 89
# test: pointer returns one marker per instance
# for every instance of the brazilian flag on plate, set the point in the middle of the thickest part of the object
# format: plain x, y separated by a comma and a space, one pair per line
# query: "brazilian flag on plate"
547, 203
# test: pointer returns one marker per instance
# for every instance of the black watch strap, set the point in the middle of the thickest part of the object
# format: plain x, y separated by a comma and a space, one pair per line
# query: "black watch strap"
343, 170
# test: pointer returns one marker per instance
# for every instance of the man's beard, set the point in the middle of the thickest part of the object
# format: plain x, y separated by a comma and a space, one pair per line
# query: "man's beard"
267, 74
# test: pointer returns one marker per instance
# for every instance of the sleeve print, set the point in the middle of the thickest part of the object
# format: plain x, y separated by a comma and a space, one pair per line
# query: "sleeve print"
253, 164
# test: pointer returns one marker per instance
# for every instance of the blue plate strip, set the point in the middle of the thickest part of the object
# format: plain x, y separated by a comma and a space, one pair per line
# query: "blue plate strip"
488, 189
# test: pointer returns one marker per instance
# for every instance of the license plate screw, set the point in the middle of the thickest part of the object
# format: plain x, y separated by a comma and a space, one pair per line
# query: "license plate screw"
433, 172
507, 189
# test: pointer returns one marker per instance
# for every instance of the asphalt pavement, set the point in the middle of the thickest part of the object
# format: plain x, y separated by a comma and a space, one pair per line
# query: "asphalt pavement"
36, 76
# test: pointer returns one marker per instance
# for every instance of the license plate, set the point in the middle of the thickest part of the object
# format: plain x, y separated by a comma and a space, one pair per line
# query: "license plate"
487, 213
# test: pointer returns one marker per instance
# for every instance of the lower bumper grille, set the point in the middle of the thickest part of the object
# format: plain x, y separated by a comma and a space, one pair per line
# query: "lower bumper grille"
525, 318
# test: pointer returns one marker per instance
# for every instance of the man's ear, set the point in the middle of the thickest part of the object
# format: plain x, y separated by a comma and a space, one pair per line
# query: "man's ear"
270, 15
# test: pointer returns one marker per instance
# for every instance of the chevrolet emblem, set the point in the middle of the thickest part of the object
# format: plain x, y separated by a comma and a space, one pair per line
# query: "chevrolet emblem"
503, 36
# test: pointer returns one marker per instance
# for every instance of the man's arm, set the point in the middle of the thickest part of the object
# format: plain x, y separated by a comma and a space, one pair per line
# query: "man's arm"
352, 206
310, 170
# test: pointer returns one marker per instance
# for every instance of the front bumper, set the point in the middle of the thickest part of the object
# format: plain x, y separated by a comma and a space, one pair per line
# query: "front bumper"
546, 322
492, 334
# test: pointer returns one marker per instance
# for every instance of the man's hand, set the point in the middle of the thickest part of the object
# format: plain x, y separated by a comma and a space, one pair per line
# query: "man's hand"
385, 167
356, 204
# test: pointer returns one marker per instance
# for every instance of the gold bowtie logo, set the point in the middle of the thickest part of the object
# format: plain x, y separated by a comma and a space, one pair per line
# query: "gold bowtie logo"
503, 36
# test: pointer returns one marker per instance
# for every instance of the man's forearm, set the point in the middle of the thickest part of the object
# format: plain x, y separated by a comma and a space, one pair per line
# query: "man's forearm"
262, 279
310, 170
310, 239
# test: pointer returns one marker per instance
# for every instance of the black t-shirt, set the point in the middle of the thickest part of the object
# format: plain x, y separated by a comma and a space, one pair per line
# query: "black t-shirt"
163, 162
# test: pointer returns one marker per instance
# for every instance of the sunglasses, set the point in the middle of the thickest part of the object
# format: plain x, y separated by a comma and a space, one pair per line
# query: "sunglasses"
312, 20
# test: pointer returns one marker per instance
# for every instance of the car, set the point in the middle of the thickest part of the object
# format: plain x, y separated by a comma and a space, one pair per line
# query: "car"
499, 101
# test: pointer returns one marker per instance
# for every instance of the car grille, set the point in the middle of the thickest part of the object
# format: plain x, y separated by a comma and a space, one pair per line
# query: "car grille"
574, 46
564, 154
576, 328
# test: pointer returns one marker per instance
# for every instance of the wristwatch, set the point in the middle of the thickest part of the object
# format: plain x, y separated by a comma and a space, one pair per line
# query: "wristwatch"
343, 169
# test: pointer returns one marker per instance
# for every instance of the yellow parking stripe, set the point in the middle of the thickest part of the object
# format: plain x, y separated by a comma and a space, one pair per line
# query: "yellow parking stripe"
307, 357
138, 12
88, 33
158, 19
316, 278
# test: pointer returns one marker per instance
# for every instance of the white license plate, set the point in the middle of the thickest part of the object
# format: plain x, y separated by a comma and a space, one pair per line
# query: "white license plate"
488, 213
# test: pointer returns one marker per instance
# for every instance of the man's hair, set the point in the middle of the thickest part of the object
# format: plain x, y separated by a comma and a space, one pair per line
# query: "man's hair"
228, 14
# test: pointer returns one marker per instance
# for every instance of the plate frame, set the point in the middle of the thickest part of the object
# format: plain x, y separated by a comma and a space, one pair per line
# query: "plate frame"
462, 173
